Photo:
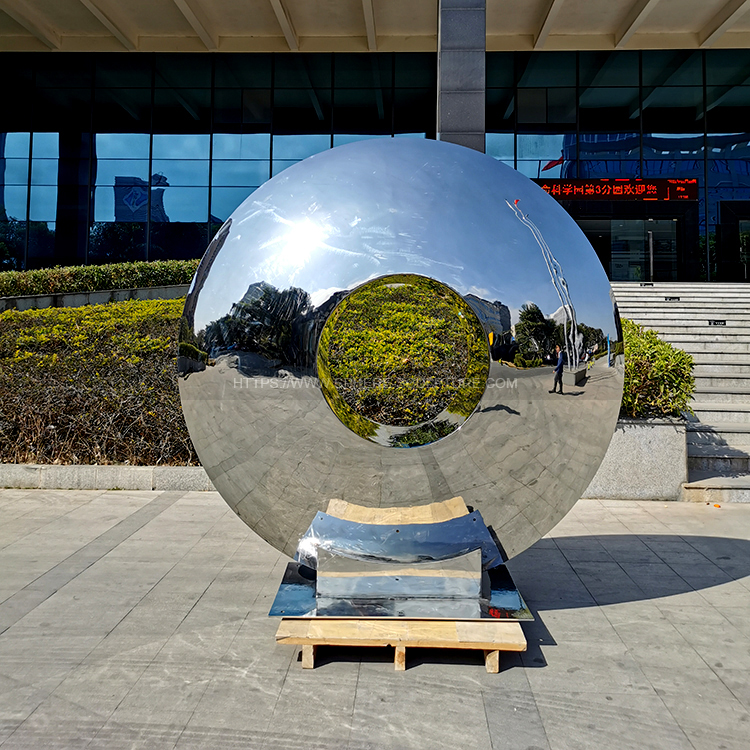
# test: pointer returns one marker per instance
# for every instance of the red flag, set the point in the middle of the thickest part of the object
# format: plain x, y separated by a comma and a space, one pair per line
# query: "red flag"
551, 164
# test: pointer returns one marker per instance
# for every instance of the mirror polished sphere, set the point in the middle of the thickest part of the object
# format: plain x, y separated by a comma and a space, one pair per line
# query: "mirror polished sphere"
379, 322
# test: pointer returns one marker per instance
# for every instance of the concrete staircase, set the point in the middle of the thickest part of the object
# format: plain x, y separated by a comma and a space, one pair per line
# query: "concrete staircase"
712, 323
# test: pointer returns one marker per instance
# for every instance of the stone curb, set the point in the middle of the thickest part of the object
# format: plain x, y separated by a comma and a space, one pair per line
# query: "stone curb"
105, 296
109, 477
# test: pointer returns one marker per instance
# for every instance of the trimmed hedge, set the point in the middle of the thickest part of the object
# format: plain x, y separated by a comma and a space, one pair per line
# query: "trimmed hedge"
92, 385
68, 279
658, 377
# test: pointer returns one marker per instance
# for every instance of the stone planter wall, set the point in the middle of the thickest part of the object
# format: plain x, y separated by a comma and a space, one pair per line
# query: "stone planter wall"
646, 460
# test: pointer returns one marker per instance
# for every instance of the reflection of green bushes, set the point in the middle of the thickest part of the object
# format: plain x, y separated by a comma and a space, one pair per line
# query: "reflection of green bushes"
423, 434
658, 377
356, 423
402, 349
520, 361
192, 352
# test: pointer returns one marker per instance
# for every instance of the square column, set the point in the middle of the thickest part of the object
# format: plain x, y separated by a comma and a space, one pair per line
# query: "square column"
461, 72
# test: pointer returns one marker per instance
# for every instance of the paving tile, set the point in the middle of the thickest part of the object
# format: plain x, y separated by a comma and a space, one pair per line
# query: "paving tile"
162, 640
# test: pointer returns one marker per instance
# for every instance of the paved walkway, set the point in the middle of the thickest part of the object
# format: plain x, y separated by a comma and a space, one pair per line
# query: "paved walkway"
138, 620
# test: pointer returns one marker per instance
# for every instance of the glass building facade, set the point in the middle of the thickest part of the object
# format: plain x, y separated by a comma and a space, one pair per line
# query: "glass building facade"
108, 157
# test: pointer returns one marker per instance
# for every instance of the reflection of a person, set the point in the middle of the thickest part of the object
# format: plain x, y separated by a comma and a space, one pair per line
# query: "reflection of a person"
558, 369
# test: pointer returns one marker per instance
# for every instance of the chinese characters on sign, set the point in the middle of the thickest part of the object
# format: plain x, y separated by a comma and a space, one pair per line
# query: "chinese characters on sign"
621, 189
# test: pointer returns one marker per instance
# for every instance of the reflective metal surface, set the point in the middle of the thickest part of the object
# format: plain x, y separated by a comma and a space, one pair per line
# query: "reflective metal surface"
500, 600
299, 244
341, 577
403, 543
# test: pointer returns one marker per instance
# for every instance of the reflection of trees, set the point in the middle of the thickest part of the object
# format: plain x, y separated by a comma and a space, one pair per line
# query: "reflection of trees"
262, 322
12, 241
537, 335
112, 242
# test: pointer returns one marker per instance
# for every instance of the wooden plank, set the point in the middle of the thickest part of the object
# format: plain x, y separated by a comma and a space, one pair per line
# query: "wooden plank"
488, 635
399, 660
492, 661
432, 513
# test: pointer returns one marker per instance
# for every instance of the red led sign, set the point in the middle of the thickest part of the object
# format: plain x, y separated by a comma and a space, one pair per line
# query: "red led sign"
621, 190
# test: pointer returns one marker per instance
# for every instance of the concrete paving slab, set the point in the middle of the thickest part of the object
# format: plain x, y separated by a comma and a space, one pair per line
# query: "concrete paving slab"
138, 620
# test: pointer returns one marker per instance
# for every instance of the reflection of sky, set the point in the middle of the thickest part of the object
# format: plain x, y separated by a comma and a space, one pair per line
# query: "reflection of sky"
241, 163
403, 206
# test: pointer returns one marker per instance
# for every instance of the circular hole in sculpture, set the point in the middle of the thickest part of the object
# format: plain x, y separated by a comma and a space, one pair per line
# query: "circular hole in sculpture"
403, 360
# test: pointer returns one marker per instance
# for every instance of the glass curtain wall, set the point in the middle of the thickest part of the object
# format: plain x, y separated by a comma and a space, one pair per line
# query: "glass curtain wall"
107, 157
631, 114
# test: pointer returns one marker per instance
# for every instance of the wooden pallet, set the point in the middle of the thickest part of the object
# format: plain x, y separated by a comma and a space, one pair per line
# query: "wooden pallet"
490, 636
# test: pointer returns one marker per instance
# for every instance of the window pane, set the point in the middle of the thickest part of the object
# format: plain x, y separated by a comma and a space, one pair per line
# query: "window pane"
44, 171
240, 173
500, 71
243, 71
186, 204
299, 146
672, 68
16, 145
500, 109
609, 155
109, 170
182, 110
242, 146
303, 71
616, 68
500, 146
181, 146
178, 240
366, 110
14, 199
609, 108
356, 70
16, 171
224, 200
12, 243
339, 139
545, 69
546, 155
183, 71
123, 71
121, 145
179, 172
43, 205
111, 242
46, 145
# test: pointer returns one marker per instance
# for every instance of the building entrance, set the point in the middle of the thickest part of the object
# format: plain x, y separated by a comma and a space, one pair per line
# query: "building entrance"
733, 241
635, 249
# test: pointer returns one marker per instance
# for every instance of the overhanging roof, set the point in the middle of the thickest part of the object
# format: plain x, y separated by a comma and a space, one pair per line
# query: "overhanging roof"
362, 25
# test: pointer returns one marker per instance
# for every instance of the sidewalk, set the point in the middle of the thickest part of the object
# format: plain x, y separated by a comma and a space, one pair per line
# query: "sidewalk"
136, 619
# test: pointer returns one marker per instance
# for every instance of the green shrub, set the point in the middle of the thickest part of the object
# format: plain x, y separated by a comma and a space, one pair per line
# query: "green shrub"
67, 279
521, 362
94, 384
658, 377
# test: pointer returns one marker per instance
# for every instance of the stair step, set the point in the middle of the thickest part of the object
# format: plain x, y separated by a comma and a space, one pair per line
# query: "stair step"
717, 487
722, 395
722, 382
708, 412
706, 362
717, 427
708, 347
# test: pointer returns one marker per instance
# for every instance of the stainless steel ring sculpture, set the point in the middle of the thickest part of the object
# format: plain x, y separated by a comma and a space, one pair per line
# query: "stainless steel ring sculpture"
367, 230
